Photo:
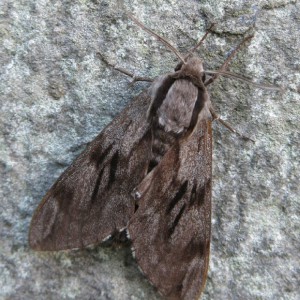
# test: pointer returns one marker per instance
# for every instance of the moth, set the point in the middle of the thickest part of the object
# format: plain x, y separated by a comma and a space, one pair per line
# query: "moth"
149, 172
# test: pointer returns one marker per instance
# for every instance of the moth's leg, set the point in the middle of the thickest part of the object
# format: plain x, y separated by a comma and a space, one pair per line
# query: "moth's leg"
227, 125
124, 71
228, 60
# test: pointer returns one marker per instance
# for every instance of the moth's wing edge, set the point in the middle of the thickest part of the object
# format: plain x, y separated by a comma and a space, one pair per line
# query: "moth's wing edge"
69, 213
170, 231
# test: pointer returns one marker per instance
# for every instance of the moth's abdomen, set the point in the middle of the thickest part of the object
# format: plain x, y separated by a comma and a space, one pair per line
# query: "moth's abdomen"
161, 143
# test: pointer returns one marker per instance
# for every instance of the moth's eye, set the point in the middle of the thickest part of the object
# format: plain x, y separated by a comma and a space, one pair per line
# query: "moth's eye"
203, 77
178, 66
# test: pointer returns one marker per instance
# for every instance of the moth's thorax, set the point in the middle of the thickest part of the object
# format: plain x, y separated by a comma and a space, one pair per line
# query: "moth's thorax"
174, 96
175, 113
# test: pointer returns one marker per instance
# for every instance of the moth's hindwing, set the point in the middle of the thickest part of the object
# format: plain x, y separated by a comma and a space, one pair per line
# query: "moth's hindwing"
170, 230
91, 199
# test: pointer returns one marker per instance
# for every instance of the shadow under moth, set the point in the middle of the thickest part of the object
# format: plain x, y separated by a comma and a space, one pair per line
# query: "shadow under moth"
149, 172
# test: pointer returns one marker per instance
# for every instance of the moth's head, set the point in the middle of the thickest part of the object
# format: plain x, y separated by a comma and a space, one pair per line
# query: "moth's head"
193, 66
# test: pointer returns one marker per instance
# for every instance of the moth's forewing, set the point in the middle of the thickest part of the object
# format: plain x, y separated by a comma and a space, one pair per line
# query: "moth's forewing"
91, 199
170, 230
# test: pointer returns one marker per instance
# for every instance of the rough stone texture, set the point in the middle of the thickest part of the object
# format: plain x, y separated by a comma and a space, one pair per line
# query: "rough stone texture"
56, 95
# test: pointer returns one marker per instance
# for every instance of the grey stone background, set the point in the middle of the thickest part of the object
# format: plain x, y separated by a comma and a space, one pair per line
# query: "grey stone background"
56, 95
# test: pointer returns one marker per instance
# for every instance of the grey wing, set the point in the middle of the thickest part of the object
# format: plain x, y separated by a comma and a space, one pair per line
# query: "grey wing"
91, 200
170, 230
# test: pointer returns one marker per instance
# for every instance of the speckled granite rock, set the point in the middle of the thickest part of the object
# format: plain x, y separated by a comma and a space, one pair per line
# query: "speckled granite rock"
56, 95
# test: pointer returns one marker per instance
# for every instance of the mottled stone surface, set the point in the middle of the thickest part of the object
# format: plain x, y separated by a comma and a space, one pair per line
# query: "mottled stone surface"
56, 95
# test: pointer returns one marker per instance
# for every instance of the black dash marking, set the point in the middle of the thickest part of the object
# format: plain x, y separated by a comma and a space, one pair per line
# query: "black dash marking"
99, 157
152, 165
194, 248
136, 207
178, 196
203, 192
193, 194
113, 169
97, 186
176, 221
201, 249
198, 198
179, 287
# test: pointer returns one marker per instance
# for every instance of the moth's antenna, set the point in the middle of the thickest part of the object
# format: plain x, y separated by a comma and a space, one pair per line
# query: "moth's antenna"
228, 60
244, 79
163, 40
209, 30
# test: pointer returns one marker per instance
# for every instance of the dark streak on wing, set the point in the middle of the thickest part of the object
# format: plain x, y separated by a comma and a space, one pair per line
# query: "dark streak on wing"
198, 197
113, 169
152, 165
98, 157
179, 287
178, 196
201, 194
193, 248
193, 194
176, 221
97, 186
